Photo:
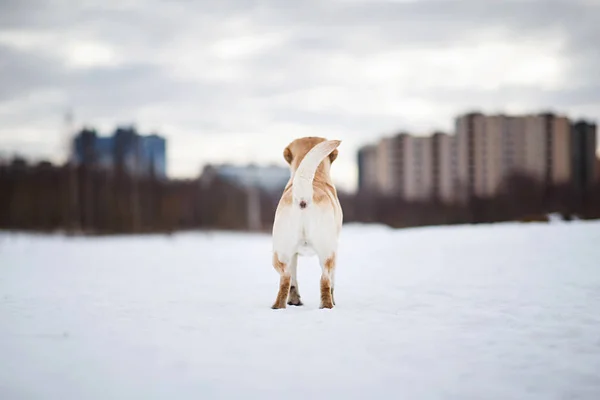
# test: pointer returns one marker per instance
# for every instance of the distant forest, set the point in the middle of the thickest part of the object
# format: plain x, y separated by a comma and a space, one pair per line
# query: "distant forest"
81, 200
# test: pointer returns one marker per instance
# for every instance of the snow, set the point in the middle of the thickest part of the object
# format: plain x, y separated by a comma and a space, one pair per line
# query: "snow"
503, 311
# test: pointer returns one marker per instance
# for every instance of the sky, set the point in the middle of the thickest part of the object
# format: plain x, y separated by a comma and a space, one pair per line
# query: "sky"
237, 80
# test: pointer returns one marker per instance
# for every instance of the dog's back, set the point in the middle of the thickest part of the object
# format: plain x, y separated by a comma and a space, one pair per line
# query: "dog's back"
309, 215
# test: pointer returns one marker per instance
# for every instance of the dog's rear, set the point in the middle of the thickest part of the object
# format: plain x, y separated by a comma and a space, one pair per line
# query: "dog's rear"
308, 219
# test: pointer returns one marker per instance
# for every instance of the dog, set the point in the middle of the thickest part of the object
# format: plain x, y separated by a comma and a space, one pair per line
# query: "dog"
308, 219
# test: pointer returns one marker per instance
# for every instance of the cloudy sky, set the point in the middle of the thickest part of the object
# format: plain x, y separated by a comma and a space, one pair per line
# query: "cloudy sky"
236, 80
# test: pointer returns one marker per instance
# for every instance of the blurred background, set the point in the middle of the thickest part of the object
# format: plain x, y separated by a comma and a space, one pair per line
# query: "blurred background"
158, 116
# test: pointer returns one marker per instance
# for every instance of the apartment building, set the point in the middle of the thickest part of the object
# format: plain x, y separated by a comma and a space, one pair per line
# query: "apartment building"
478, 160
126, 149
583, 155
472, 149
444, 169
547, 148
418, 168
388, 176
488, 149
492, 147
269, 178
415, 168
367, 168
384, 165
379, 167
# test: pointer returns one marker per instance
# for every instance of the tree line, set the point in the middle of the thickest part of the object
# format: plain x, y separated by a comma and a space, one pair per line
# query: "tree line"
81, 199
521, 198
86, 200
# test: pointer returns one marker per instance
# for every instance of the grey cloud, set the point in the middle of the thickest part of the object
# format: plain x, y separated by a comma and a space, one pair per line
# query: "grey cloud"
538, 98
120, 87
315, 31
23, 72
103, 89
439, 21
323, 23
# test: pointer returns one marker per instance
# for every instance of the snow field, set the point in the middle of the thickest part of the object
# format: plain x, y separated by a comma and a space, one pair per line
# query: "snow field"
505, 311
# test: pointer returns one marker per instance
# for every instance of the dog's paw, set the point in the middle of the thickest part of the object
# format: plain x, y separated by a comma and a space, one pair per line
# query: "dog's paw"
328, 304
294, 297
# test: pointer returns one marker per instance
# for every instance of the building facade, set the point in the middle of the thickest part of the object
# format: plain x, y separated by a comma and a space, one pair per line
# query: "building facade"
383, 168
414, 168
480, 158
389, 164
485, 153
547, 148
444, 169
153, 154
583, 155
125, 150
270, 178
492, 147
367, 169
418, 168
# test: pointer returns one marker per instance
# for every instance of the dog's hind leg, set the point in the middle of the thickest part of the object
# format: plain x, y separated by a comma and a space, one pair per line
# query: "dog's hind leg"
284, 282
332, 286
294, 297
328, 271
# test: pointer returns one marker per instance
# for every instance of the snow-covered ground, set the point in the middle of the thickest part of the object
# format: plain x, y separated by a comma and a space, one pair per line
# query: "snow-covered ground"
503, 311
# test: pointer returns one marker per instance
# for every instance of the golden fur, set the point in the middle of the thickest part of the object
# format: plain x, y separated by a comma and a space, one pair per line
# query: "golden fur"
323, 186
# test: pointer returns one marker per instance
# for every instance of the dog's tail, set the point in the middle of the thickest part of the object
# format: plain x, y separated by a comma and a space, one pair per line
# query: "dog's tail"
302, 183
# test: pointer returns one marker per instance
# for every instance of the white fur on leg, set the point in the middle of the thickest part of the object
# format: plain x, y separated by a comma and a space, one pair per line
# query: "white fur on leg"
284, 281
327, 268
332, 276
294, 297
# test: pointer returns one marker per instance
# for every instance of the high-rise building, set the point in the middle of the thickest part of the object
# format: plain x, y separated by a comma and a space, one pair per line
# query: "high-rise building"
480, 159
418, 156
270, 178
472, 149
153, 154
583, 155
492, 147
487, 151
367, 169
125, 150
414, 168
389, 165
547, 148
444, 168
